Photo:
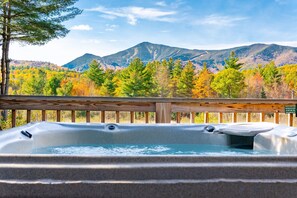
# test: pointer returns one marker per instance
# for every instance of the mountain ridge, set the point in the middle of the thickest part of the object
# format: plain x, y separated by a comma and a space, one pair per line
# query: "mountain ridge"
249, 55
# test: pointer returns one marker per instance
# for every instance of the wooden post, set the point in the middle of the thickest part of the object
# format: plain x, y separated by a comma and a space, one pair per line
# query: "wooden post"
117, 116
276, 117
58, 115
88, 116
146, 117
290, 119
102, 116
206, 117
28, 116
163, 112
43, 115
178, 117
248, 117
192, 117
262, 117
13, 118
72, 116
234, 117
220, 117
132, 116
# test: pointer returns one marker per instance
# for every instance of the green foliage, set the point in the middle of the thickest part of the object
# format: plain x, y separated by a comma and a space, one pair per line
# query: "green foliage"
174, 78
52, 85
95, 73
65, 88
35, 84
37, 22
136, 80
108, 86
271, 74
228, 83
185, 83
232, 62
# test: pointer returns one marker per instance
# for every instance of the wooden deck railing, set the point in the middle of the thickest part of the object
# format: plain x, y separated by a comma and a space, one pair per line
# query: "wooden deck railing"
162, 107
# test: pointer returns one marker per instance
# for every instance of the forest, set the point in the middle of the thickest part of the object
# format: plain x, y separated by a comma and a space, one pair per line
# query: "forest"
166, 78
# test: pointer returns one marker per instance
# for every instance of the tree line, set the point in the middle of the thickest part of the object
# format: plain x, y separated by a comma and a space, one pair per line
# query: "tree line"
166, 78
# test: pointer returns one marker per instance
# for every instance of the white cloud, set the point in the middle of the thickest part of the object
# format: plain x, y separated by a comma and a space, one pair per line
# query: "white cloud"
161, 3
110, 17
110, 28
219, 20
82, 27
133, 13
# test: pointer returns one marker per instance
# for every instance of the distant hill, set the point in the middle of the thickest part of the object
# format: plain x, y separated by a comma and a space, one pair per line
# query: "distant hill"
251, 55
25, 63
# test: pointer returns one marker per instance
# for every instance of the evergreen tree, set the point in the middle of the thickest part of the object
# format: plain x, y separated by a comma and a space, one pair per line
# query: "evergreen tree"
228, 83
174, 78
136, 80
232, 62
31, 22
151, 68
272, 80
95, 73
185, 83
108, 86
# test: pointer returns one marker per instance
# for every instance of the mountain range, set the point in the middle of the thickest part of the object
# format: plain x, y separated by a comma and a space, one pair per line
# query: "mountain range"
250, 56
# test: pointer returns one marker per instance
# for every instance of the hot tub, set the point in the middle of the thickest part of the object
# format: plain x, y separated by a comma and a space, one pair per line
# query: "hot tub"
267, 167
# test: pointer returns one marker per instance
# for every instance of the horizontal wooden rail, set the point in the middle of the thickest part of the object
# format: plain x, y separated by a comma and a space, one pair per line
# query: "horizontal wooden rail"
162, 107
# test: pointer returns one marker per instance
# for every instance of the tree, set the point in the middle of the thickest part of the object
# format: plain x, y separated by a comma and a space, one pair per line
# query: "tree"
185, 83
162, 78
52, 85
136, 80
272, 79
31, 22
174, 78
228, 83
202, 88
108, 86
232, 62
95, 73
65, 88
34, 84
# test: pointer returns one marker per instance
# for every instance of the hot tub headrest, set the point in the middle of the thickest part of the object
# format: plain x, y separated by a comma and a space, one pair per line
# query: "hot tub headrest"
245, 129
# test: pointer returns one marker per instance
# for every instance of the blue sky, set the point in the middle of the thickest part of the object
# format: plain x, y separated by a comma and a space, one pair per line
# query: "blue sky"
108, 26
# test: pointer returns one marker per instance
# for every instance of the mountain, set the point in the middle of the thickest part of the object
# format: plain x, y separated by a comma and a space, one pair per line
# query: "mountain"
250, 56
81, 63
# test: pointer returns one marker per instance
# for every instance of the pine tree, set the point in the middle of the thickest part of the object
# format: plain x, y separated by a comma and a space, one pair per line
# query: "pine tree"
136, 80
185, 83
232, 62
272, 79
95, 73
174, 78
108, 86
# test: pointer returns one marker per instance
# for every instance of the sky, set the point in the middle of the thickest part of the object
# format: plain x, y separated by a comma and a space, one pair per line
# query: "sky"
108, 26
